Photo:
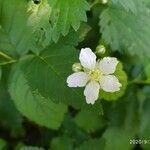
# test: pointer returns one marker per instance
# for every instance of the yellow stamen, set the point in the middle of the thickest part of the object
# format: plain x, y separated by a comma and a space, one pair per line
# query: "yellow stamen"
95, 74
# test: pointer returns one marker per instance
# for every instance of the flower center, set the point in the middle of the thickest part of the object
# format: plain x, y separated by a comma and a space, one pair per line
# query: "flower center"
95, 74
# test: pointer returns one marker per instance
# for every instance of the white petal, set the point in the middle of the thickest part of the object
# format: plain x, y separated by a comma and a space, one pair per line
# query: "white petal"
108, 65
110, 83
78, 79
91, 92
87, 58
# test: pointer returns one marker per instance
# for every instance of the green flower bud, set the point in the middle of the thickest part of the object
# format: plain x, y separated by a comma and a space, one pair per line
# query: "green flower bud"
104, 1
100, 49
76, 67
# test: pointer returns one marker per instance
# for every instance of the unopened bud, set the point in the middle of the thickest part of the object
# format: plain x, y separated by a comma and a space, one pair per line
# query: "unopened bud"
100, 49
104, 1
76, 67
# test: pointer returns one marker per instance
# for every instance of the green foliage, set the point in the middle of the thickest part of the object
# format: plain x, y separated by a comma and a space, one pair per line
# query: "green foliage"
2, 144
147, 72
52, 66
96, 121
6, 59
32, 104
0, 73
66, 13
124, 30
147, 2
40, 40
15, 36
38, 15
57, 17
95, 108
94, 144
62, 143
132, 5
10, 118
117, 138
145, 123
31, 148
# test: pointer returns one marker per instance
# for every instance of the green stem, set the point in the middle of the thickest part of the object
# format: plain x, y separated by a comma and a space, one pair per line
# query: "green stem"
10, 59
139, 82
5, 55
8, 62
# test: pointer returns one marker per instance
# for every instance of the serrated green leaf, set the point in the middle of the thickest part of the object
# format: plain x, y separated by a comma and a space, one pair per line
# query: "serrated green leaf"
132, 5
32, 104
122, 77
117, 139
72, 38
125, 31
64, 15
92, 144
62, 143
56, 17
96, 120
15, 36
51, 68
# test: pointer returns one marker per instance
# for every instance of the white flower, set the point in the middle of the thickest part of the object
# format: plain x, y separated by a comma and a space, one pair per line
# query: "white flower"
96, 75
